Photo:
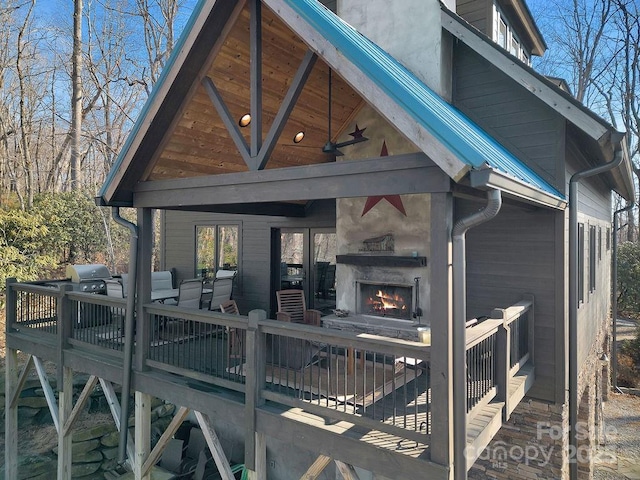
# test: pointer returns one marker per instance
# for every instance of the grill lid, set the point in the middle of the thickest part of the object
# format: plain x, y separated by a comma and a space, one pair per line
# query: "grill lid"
82, 273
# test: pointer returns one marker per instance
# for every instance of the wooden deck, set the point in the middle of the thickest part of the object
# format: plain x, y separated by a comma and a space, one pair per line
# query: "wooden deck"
293, 378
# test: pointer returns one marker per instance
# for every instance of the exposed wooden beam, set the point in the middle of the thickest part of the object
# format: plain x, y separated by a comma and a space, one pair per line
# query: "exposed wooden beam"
154, 456
214, 446
48, 391
379, 98
279, 209
168, 96
255, 47
316, 468
24, 373
228, 120
114, 407
400, 174
287, 105
80, 403
342, 443
175, 121
347, 471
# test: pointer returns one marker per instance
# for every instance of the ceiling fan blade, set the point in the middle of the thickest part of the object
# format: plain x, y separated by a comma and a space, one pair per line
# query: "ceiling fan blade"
353, 141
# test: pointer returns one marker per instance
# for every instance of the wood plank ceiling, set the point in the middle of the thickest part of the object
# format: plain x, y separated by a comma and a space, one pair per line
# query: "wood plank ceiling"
200, 144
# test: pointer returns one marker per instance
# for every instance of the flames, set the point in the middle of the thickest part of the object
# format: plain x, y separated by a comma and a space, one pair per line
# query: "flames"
383, 302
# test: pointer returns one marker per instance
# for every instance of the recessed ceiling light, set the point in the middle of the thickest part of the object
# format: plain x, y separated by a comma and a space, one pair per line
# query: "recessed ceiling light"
245, 120
298, 137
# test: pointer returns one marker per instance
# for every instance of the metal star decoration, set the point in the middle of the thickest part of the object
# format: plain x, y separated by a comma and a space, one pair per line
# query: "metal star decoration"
394, 200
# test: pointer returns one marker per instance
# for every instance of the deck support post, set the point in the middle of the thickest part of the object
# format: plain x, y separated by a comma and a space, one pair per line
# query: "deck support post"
347, 471
142, 433
10, 410
256, 354
65, 437
440, 279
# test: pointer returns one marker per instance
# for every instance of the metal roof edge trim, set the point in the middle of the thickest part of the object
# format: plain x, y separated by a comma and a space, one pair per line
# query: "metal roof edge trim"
490, 178
195, 14
445, 122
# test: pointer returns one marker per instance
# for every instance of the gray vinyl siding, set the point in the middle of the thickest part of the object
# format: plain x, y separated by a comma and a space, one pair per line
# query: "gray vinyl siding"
477, 13
512, 255
254, 277
594, 209
523, 124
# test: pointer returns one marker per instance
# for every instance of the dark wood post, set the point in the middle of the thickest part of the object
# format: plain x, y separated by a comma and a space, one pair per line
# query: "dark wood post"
503, 366
66, 315
441, 317
255, 380
143, 287
11, 308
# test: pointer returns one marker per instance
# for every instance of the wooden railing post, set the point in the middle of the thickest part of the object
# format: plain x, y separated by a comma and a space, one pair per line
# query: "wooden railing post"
11, 385
11, 308
255, 381
503, 362
65, 317
532, 323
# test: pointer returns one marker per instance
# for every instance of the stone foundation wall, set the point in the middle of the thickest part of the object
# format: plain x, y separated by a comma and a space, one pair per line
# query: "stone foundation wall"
95, 449
530, 445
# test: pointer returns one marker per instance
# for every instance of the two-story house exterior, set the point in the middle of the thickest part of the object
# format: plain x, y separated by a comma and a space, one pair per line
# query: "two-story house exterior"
403, 165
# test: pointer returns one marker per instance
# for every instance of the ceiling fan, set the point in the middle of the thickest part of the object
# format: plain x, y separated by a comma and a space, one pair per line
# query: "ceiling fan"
330, 147
333, 147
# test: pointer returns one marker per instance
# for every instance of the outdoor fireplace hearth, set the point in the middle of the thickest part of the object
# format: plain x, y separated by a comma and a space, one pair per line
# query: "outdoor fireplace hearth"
384, 299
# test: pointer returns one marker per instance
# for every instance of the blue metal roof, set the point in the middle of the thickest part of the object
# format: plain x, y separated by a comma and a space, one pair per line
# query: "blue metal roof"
450, 126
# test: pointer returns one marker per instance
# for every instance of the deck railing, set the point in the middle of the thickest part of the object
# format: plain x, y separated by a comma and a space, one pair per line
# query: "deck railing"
496, 351
374, 382
33, 306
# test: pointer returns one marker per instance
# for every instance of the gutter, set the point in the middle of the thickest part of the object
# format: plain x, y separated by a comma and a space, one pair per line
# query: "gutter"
128, 333
573, 298
614, 295
494, 202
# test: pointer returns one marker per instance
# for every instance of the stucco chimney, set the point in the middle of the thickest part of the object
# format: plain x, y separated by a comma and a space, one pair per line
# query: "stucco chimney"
411, 31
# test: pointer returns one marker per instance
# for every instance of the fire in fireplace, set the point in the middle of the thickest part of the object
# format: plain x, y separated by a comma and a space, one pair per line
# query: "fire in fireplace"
385, 300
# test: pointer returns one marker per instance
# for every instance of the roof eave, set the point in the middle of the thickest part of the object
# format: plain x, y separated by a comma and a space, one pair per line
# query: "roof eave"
489, 178
538, 44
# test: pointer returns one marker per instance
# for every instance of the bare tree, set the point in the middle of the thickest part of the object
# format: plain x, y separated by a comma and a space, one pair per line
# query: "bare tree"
76, 96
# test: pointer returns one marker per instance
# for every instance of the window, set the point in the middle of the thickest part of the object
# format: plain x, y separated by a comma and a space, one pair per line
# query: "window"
592, 258
599, 243
216, 249
581, 253
608, 239
502, 33
504, 36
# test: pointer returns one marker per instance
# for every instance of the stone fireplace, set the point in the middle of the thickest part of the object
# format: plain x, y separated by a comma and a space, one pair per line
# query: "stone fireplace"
381, 275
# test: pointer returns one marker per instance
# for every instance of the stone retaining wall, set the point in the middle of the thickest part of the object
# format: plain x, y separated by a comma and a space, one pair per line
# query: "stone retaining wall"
95, 449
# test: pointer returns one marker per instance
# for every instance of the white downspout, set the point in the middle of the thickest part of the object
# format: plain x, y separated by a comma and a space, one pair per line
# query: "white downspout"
494, 202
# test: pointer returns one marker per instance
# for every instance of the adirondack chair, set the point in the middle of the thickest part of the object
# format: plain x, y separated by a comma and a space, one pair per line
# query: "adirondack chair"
293, 308
234, 336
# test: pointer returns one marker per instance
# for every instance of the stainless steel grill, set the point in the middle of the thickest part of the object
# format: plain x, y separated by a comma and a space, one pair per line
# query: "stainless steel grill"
88, 277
